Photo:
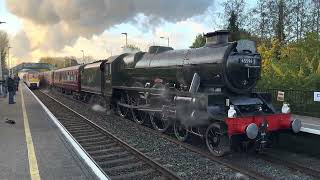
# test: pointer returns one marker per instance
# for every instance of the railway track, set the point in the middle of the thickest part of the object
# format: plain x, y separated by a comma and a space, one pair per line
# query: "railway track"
115, 157
292, 165
247, 172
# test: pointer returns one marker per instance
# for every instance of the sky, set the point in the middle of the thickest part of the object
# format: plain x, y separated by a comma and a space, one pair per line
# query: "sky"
39, 28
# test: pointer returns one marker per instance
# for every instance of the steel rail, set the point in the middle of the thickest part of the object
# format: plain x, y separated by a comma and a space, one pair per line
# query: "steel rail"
220, 160
155, 165
292, 165
233, 166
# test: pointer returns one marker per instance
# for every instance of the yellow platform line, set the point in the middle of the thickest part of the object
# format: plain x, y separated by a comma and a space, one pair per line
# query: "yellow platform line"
33, 165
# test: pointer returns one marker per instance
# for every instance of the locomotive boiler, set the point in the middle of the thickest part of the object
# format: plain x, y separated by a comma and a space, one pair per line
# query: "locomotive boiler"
230, 67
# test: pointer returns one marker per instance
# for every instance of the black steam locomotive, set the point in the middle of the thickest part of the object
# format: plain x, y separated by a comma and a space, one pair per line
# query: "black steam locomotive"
206, 91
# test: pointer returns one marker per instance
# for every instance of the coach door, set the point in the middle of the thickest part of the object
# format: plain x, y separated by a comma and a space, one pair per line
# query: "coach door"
108, 79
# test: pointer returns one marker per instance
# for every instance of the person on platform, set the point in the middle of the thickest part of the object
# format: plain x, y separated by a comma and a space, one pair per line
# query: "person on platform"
17, 80
11, 89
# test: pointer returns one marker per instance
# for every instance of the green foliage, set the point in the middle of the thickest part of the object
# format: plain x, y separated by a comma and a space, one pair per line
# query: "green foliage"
59, 62
233, 27
4, 43
292, 66
200, 41
133, 47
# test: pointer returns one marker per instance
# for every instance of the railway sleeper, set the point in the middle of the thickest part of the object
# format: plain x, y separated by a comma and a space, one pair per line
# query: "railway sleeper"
124, 167
74, 126
100, 147
119, 161
135, 175
111, 156
86, 132
83, 138
115, 158
74, 123
104, 151
87, 136
96, 143
83, 141
131, 168
81, 129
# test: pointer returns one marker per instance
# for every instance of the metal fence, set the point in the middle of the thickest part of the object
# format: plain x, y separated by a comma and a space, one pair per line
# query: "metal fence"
301, 102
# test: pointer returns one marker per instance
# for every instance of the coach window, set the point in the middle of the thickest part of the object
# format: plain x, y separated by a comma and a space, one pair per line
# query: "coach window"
107, 69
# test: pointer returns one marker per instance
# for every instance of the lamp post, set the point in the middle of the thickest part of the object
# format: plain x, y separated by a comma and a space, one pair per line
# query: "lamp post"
126, 34
9, 62
82, 56
1, 77
167, 40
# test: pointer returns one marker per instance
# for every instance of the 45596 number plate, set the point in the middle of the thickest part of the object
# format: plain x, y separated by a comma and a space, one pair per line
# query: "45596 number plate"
247, 60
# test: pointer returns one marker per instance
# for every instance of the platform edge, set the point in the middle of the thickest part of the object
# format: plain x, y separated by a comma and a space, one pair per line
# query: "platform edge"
95, 169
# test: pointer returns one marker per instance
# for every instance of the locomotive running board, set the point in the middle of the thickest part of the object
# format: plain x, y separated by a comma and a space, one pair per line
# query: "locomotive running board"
141, 108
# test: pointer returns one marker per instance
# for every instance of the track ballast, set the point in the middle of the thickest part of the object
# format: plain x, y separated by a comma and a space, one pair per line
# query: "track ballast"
115, 157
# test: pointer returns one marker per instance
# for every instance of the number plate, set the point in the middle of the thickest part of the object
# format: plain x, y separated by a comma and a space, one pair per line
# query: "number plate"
247, 60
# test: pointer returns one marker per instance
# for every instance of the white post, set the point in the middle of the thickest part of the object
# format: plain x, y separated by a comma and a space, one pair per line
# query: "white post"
1, 79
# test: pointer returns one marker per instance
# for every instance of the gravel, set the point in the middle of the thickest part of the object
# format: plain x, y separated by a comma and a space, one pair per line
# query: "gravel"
186, 163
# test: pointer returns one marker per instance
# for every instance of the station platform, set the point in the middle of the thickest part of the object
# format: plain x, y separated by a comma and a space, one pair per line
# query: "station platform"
309, 124
34, 147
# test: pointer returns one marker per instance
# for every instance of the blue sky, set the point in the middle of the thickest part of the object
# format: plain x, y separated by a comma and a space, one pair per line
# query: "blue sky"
13, 24
181, 34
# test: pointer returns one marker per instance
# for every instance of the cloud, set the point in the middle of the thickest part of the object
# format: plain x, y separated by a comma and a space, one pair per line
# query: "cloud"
52, 25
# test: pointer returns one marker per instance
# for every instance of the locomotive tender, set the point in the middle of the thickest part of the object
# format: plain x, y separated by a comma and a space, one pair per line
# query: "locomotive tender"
206, 91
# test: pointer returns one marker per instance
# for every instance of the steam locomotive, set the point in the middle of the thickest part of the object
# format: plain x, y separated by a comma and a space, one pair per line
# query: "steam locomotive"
206, 91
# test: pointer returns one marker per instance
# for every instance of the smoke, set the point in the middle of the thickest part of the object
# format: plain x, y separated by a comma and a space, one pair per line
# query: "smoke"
98, 108
239, 176
62, 22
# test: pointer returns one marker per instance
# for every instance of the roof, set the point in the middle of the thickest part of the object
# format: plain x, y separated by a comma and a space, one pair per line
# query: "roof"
69, 68
113, 58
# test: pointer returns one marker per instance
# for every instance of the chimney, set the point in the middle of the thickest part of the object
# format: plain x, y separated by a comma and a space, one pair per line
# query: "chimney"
217, 37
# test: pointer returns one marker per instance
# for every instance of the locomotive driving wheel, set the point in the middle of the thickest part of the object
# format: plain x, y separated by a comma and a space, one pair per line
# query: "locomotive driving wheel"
158, 122
137, 115
217, 140
180, 131
123, 111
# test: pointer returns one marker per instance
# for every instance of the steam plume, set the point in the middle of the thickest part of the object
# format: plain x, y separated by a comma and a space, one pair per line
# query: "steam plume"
62, 22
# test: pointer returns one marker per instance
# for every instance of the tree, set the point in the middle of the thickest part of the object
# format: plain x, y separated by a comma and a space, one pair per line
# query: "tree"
4, 43
131, 48
297, 66
70, 61
280, 26
235, 9
233, 27
200, 41
59, 62
236, 19
313, 14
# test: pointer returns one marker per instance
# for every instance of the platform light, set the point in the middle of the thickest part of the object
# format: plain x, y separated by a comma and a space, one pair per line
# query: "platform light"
285, 108
232, 112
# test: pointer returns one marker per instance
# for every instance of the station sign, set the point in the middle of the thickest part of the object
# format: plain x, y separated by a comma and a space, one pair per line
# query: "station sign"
316, 96
280, 96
